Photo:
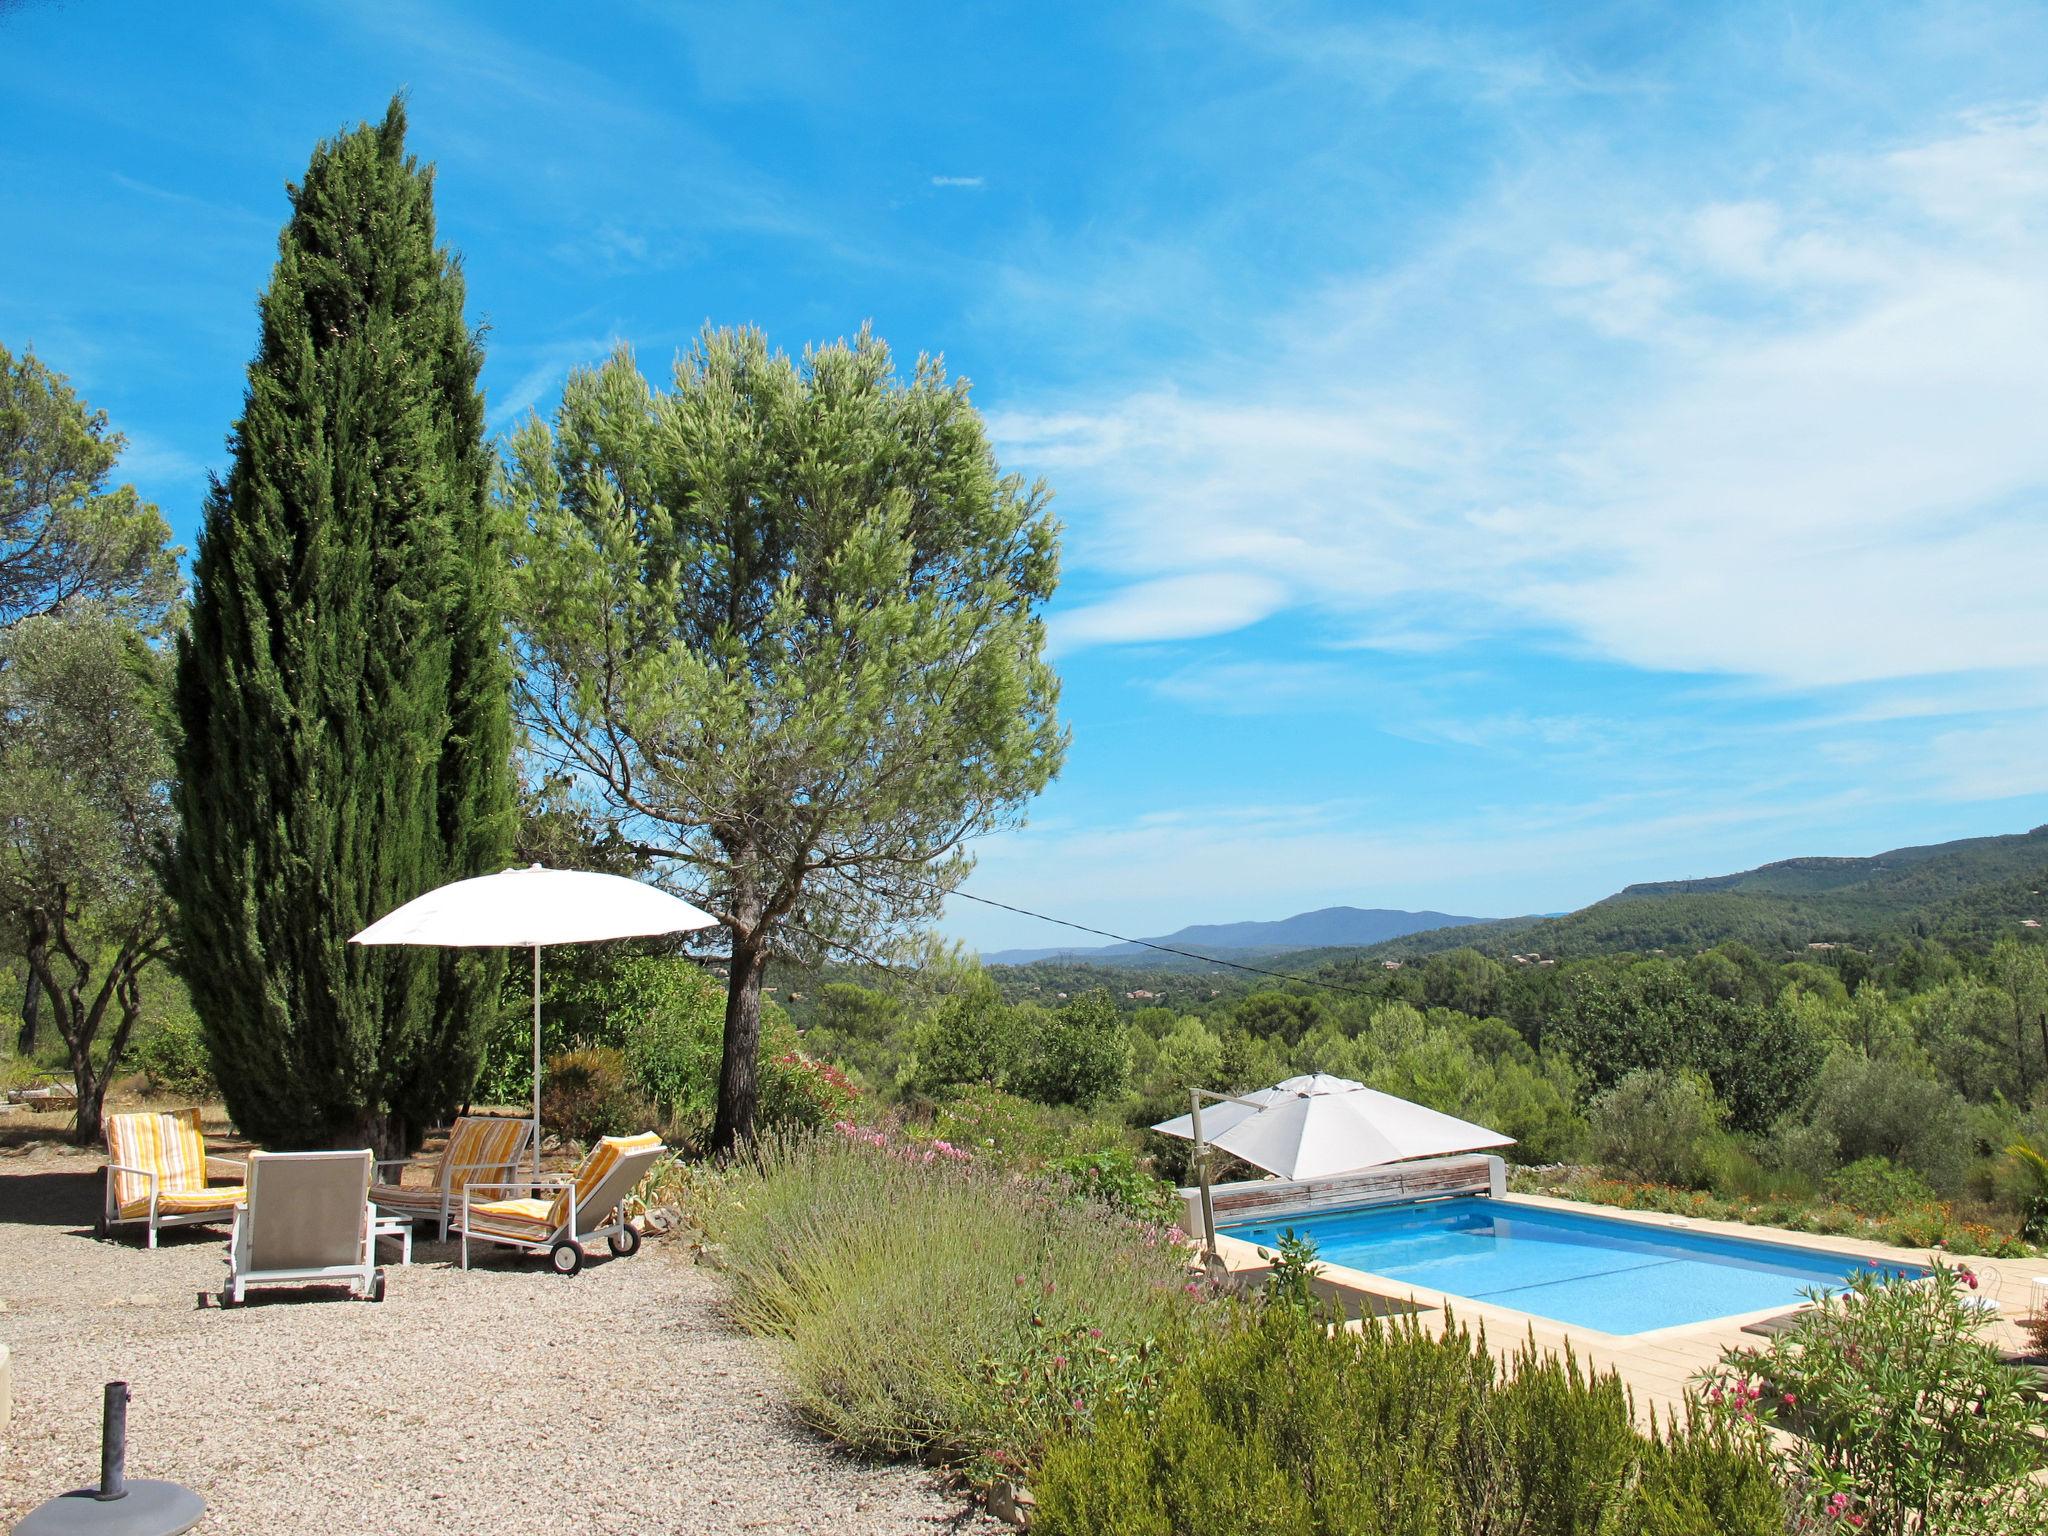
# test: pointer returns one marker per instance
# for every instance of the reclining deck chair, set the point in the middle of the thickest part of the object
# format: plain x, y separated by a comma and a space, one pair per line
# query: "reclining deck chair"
307, 1221
589, 1206
480, 1147
157, 1170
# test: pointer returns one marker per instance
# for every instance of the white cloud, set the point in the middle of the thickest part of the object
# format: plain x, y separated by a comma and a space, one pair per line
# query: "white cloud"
1170, 608
972, 183
1792, 438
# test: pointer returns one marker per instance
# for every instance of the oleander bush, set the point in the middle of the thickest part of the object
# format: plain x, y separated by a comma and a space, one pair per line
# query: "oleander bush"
1906, 1422
1274, 1422
927, 1304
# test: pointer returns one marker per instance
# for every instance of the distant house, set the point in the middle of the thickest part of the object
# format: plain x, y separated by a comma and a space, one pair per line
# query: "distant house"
2030, 922
1390, 965
1141, 996
1818, 944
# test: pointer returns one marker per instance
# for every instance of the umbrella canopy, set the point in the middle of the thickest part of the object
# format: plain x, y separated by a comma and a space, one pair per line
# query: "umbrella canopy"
1314, 1127
527, 908
1221, 1116
522, 908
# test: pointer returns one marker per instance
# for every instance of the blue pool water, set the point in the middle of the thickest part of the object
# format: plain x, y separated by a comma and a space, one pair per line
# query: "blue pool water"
1616, 1276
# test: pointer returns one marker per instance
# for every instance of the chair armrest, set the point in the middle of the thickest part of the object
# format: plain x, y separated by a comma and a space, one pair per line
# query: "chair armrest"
148, 1173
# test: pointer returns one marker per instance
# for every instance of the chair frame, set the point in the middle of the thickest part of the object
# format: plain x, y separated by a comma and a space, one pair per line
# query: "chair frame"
565, 1245
444, 1172
363, 1277
110, 1216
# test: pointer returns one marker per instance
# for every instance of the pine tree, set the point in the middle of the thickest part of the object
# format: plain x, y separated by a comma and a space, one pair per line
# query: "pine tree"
343, 687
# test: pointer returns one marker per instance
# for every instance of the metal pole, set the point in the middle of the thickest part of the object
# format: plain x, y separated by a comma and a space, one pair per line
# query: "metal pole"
536, 1061
1202, 1178
114, 1442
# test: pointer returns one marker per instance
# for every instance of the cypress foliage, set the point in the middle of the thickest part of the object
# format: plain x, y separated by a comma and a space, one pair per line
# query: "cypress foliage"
344, 685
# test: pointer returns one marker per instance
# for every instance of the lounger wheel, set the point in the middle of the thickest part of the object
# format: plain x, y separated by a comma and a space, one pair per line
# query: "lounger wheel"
228, 1298
625, 1242
567, 1257
376, 1290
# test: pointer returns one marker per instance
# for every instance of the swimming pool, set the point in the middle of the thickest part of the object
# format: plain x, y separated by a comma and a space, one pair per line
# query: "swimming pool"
1617, 1276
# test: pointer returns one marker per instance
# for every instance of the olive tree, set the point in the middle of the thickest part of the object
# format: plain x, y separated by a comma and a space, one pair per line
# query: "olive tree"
782, 623
85, 819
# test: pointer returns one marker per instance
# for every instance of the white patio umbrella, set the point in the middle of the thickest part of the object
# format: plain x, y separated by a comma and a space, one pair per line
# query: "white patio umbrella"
1226, 1112
1312, 1127
528, 908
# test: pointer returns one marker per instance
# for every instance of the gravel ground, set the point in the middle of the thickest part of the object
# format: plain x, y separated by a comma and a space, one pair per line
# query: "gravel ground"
506, 1399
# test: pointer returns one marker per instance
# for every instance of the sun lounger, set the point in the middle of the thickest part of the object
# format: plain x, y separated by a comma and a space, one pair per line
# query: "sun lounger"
157, 1170
582, 1209
480, 1147
307, 1221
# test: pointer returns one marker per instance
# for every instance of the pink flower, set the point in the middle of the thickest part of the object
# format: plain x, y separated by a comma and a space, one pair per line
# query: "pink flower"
1837, 1503
1791, 1400
1059, 1362
1094, 1333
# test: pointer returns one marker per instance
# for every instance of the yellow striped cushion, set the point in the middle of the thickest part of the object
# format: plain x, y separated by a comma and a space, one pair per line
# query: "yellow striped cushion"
533, 1219
169, 1144
480, 1150
188, 1202
413, 1196
601, 1160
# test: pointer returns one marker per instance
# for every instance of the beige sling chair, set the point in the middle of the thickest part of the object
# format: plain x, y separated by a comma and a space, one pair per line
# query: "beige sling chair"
307, 1221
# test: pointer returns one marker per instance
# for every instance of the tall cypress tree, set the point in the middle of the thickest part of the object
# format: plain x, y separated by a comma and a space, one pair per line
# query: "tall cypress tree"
344, 685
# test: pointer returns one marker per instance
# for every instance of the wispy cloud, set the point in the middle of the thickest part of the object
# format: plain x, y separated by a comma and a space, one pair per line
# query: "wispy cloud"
1791, 439
971, 183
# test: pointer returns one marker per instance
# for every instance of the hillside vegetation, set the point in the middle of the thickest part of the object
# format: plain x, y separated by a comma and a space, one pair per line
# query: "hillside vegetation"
1969, 892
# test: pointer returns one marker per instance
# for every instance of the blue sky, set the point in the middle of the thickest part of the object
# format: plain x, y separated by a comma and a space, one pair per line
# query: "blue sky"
1504, 454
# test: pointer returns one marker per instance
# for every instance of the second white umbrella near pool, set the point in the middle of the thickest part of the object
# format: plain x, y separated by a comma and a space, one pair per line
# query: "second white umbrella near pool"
1312, 1127
530, 908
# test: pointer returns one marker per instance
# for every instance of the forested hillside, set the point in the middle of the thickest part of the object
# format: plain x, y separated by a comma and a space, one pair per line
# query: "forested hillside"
1970, 892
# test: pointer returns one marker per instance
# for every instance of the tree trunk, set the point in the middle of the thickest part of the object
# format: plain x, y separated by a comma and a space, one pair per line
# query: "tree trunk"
385, 1133
739, 1088
26, 1042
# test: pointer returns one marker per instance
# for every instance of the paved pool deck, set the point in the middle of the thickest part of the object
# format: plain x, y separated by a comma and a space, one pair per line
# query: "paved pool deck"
1659, 1367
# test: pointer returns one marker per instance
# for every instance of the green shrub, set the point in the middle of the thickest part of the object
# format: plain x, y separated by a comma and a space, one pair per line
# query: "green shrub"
1005, 1128
1893, 1106
1877, 1186
585, 1094
2027, 1175
1658, 1125
920, 1299
1908, 1423
1112, 1176
1080, 1055
173, 1058
1276, 1423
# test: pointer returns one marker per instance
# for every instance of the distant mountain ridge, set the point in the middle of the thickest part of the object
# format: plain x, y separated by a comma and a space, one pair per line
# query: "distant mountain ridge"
1973, 890
1324, 928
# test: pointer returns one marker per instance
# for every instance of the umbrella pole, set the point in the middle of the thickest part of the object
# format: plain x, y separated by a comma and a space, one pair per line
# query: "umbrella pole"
1202, 1179
536, 1062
